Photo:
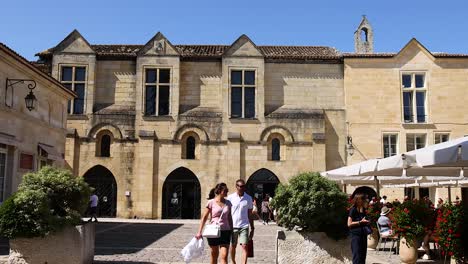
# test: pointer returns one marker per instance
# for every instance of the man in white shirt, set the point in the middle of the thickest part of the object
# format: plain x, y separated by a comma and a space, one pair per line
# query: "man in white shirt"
93, 203
241, 217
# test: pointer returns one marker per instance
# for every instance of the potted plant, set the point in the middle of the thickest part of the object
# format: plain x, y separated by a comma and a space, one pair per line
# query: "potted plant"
449, 230
43, 219
373, 214
410, 222
314, 210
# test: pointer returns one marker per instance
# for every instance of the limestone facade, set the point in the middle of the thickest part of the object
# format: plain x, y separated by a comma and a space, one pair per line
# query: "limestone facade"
308, 100
375, 86
29, 139
298, 100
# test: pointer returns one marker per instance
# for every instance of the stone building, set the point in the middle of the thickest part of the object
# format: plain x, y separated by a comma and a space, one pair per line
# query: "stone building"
397, 102
32, 135
154, 127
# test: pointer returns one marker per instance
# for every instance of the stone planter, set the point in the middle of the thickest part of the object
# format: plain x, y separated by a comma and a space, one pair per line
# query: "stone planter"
373, 239
408, 253
293, 247
74, 245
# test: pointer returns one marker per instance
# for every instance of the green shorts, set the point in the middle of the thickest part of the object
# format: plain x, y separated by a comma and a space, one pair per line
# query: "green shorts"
240, 235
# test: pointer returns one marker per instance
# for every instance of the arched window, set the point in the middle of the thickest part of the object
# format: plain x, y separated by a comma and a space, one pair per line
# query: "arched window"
275, 149
105, 145
190, 148
364, 34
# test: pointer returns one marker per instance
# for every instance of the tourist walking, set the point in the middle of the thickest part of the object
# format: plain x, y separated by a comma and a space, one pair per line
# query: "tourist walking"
93, 203
219, 208
242, 206
358, 224
266, 210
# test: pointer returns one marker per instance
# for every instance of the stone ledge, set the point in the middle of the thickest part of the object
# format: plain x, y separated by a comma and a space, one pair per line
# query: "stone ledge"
295, 247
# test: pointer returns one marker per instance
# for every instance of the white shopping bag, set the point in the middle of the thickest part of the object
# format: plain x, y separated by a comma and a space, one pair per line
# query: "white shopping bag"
193, 249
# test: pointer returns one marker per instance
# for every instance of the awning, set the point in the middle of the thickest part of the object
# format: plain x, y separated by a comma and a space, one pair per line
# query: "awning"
52, 153
8, 139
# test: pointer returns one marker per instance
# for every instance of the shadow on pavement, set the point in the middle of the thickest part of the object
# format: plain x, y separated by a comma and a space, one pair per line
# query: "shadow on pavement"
4, 246
126, 238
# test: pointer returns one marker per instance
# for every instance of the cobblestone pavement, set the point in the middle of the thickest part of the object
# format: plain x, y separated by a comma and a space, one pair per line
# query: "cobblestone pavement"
123, 241
160, 241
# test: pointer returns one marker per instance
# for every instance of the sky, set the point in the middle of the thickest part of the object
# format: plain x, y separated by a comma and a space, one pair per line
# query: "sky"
32, 26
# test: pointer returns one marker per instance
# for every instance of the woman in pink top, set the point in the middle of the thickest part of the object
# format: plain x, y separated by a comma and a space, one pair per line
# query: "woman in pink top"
216, 208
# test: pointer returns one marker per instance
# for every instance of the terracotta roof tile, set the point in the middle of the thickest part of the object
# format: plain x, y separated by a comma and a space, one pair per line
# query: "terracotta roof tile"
216, 51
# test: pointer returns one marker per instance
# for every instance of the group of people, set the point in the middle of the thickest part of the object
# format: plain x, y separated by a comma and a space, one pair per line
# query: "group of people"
267, 211
233, 213
360, 226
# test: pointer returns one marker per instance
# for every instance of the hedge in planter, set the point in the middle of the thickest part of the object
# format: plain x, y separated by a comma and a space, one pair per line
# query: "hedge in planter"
412, 219
46, 201
313, 203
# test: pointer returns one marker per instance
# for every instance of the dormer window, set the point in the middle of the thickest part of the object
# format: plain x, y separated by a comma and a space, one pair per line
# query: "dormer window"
74, 78
242, 93
157, 89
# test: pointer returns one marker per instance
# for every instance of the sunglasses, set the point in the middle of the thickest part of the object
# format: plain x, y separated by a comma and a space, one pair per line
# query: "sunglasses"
241, 186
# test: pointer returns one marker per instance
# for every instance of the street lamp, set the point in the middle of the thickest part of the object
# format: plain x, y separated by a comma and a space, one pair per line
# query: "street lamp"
349, 145
30, 99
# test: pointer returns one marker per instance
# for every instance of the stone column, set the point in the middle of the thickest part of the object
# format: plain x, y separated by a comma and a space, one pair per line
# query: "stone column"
144, 189
233, 159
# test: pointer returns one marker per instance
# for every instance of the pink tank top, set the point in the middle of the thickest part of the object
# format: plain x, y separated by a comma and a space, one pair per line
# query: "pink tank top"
216, 211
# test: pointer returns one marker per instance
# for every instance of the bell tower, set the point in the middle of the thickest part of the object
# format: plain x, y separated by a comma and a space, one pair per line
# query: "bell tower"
364, 37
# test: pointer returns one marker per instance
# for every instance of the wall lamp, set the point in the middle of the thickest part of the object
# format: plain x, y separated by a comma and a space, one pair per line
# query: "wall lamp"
349, 145
30, 99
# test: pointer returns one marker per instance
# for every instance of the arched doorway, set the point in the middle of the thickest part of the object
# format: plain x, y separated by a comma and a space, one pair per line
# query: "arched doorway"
102, 180
261, 183
365, 190
181, 195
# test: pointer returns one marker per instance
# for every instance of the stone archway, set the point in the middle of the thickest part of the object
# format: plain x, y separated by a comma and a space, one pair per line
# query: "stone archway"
368, 191
181, 195
261, 183
103, 181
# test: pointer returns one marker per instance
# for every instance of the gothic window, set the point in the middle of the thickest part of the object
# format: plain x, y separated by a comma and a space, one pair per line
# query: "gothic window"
364, 35
275, 149
242, 93
414, 97
190, 146
74, 78
157, 84
103, 144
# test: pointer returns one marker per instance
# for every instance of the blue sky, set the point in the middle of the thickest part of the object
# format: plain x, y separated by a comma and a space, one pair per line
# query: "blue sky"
32, 26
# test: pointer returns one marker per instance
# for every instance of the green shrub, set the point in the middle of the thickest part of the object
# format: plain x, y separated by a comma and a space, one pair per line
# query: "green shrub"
312, 203
46, 201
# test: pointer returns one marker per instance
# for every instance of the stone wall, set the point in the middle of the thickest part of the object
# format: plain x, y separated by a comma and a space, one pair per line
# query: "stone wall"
298, 248
73, 245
